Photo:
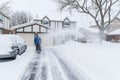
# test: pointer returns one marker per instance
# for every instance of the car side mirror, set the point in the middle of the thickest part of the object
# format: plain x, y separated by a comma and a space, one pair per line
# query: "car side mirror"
24, 42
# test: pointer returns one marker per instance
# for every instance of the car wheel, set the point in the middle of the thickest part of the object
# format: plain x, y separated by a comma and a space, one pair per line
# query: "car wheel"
16, 52
25, 49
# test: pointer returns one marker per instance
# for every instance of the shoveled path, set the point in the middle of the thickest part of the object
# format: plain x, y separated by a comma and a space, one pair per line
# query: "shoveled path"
52, 65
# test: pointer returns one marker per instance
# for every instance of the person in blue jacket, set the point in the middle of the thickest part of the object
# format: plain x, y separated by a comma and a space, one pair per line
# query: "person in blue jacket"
37, 42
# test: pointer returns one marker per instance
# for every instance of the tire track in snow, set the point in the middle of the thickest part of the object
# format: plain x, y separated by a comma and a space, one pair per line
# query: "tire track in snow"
56, 70
52, 65
71, 72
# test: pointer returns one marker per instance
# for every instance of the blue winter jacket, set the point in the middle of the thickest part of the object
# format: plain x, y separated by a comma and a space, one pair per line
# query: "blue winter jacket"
37, 40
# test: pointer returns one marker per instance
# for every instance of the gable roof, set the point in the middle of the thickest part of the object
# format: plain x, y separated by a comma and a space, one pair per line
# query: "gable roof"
28, 24
66, 19
45, 18
53, 19
116, 18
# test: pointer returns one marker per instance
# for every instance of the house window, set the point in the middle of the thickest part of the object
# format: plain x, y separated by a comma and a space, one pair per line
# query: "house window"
45, 22
66, 23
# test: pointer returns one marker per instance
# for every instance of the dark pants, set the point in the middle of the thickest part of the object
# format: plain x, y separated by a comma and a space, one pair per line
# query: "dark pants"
38, 47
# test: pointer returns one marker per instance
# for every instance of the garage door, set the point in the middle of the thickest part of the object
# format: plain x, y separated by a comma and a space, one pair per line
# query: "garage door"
28, 37
47, 40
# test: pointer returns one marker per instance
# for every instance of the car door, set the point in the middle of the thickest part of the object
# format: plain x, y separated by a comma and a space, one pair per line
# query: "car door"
21, 44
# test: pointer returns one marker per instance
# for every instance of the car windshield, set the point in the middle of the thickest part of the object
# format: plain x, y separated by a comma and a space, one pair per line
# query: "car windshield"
16, 38
4, 42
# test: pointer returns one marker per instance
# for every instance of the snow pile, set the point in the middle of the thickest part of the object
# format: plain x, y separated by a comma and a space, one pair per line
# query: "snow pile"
82, 35
63, 35
89, 36
99, 62
117, 31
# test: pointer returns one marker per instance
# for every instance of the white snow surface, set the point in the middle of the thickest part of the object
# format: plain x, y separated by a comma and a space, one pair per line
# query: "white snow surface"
98, 62
95, 61
13, 69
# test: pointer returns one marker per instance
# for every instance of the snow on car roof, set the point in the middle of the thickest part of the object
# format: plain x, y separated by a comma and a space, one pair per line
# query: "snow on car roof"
4, 41
7, 37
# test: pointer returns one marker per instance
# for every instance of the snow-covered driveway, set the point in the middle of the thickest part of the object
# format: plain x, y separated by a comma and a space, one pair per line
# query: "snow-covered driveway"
52, 65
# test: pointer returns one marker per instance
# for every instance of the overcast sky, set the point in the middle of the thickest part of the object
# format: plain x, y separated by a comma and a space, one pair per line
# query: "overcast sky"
47, 8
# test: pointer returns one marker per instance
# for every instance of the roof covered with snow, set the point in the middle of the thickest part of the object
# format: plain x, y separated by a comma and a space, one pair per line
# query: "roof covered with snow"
28, 24
117, 31
115, 19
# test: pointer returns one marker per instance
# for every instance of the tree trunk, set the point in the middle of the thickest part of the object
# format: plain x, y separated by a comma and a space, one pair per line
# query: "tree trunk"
101, 35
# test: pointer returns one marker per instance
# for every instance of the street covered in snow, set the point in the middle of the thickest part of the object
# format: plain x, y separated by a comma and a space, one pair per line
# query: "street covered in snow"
69, 61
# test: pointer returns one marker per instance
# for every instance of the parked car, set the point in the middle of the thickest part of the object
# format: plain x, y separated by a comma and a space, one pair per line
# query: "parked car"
11, 46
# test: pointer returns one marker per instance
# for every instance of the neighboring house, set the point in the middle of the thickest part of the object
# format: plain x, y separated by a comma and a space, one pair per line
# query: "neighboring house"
113, 28
114, 36
5, 31
4, 24
57, 24
115, 24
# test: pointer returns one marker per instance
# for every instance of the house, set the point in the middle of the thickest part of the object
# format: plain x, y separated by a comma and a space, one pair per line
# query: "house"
112, 30
57, 24
4, 24
42, 27
27, 32
115, 24
114, 36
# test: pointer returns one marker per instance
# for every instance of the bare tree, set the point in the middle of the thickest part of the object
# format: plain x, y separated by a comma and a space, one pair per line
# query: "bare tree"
20, 17
5, 7
100, 10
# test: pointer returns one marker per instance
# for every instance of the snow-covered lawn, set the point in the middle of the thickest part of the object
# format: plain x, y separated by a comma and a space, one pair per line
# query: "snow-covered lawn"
13, 69
98, 62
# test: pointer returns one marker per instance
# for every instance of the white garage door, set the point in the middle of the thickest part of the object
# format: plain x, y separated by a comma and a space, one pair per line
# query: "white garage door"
28, 37
47, 40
